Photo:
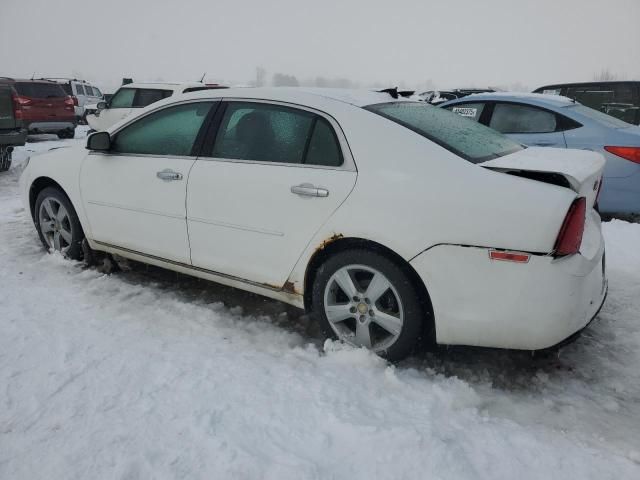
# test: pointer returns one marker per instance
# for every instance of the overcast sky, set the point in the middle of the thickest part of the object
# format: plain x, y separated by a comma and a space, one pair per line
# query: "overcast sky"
453, 43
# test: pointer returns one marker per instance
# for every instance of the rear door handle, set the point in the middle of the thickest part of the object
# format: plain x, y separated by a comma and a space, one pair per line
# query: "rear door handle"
309, 190
168, 175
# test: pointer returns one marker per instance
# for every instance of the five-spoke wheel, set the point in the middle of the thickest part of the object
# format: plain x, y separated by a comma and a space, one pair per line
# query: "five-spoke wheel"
363, 298
57, 223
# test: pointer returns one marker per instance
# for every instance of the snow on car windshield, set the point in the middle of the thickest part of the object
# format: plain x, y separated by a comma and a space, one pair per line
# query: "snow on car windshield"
466, 138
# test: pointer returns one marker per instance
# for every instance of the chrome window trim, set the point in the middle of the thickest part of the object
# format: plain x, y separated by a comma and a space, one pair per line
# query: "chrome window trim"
348, 163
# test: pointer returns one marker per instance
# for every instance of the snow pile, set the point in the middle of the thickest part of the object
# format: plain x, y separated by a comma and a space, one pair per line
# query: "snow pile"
140, 375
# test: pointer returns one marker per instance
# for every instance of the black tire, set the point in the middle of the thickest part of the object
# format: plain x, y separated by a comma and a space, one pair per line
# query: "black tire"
414, 314
5, 159
69, 133
74, 250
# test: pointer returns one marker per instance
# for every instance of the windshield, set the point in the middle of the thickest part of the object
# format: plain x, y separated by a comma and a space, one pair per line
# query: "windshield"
466, 138
600, 117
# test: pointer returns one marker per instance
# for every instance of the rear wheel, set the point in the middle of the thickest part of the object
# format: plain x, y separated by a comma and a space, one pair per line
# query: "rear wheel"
57, 223
5, 158
364, 299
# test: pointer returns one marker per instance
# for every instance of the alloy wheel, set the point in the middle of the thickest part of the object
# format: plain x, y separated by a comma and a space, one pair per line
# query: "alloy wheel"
363, 307
55, 224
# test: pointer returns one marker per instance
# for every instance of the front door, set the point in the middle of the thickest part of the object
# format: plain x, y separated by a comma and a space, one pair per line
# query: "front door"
274, 175
135, 194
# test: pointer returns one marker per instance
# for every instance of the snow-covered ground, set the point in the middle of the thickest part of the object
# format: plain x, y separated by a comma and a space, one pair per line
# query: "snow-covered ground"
145, 374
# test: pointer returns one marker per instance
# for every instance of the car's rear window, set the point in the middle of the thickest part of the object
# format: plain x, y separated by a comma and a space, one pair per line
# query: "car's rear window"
600, 117
39, 90
464, 137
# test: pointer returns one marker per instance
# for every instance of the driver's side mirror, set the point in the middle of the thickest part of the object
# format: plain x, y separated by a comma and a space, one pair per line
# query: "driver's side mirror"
101, 105
99, 141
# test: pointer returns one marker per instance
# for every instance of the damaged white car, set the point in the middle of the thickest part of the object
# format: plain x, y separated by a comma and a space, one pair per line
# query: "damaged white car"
389, 219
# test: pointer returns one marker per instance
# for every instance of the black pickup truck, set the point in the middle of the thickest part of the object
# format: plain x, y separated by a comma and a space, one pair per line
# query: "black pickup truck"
12, 133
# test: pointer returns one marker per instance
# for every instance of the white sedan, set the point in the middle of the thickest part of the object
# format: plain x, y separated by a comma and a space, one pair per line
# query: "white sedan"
391, 220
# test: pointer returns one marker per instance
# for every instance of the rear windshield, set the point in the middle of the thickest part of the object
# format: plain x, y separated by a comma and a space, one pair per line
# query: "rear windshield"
39, 90
599, 117
464, 137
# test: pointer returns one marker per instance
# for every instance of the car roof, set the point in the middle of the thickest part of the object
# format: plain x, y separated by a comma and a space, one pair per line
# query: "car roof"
586, 84
540, 99
175, 86
302, 95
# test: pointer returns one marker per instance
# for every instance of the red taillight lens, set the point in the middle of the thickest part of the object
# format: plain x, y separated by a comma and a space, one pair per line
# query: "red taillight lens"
71, 101
628, 153
516, 257
570, 236
22, 101
17, 108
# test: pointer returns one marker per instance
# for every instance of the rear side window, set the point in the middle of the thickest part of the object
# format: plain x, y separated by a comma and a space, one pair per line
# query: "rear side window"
123, 98
512, 118
40, 90
468, 110
147, 96
272, 133
171, 131
466, 138
80, 89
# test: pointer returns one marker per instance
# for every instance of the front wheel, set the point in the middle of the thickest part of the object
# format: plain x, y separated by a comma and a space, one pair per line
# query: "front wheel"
363, 298
57, 223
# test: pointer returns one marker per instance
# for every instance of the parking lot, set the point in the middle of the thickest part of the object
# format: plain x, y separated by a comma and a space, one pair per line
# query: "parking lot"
145, 373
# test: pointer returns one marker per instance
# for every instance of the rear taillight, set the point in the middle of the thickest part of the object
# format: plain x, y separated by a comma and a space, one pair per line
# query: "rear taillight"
23, 101
628, 153
570, 236
17, 108
71, 101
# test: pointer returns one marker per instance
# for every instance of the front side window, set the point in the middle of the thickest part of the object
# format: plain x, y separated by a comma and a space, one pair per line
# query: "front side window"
512, 118
123, 98
171, 131
147, 96
467, 139
469, 110
97, 92
272, 133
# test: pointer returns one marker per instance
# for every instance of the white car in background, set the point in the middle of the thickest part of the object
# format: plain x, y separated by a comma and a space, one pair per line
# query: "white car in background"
134, 96
390, 220
84, 93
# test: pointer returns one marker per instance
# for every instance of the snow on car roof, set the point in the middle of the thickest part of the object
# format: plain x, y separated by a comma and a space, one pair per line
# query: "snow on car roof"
357, 97
538, 97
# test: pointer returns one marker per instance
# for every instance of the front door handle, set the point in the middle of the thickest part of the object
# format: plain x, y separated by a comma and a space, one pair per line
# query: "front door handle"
309, 190
168, 175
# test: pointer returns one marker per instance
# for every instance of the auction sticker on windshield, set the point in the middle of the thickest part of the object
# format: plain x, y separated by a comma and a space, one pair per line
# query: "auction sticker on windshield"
465, 111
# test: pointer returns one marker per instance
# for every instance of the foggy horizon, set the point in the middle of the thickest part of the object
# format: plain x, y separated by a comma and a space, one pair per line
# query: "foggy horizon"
463, 43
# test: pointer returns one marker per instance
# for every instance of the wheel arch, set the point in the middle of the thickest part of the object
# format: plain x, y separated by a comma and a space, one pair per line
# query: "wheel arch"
339, 244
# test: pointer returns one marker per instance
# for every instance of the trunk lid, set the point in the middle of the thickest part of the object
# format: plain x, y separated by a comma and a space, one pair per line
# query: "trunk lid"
579, 170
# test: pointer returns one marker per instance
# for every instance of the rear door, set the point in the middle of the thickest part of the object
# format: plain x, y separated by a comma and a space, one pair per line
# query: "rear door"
527, 124
274, 174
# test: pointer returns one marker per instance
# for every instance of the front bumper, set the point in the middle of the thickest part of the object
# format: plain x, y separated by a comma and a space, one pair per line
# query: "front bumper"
527, 306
